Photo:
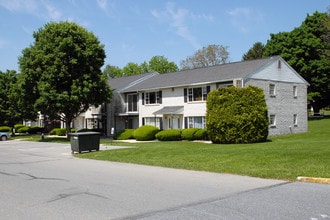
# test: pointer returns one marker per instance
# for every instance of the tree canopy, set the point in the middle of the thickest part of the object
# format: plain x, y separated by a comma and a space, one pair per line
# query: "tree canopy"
256, 52
158, 64
61, 72
9, 106
206, 56
306, 49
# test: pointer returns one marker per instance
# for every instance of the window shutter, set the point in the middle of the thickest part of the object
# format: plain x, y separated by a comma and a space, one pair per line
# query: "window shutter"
185, 94
208, 88
185, 122
143, 98
160, 97
161, 123
142, 121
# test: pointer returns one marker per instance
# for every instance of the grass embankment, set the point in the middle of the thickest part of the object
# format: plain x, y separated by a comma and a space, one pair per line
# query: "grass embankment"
282, 157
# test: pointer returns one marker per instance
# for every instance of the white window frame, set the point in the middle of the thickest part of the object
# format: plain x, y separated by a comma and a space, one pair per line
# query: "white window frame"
272, 90
131, 103
192, 122
153, 121
295, 120
147, 98
191, 94
272, 120
295, 92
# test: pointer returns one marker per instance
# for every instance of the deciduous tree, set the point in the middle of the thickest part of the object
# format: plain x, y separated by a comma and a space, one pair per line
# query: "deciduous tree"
306, 49
10, 112
206, 56
61, 72
161, 65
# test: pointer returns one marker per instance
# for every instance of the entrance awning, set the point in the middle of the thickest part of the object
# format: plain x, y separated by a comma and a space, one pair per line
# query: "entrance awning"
169, 110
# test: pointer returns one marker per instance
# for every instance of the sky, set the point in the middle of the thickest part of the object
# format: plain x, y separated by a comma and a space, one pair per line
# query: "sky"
136, 30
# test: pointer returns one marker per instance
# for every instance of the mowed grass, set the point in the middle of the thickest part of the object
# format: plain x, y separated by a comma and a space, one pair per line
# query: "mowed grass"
282, 157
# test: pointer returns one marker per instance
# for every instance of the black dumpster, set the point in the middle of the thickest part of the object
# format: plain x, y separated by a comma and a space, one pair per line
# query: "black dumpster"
85, 141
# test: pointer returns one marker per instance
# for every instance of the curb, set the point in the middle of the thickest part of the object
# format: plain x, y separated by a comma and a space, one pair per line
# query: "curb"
313, 180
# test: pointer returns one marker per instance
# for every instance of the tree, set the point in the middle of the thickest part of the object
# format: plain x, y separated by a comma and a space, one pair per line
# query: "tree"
132, 69
255, 52
61, 72
306, 49
9, 108
206, 56
237, 115
161, 65
112, 71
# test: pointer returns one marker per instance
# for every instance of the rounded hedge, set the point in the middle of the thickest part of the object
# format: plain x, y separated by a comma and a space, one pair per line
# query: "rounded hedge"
189, 134
58, 131
169, 135
35, 129
200, 134
145, 133
18, 126
24, 129
5, 129
237, 115
125, 134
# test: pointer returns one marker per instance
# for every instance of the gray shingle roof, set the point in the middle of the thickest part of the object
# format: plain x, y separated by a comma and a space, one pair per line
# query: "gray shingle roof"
219, 73
126, 82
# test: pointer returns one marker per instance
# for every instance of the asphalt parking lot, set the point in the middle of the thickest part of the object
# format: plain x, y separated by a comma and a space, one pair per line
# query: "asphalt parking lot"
44, 181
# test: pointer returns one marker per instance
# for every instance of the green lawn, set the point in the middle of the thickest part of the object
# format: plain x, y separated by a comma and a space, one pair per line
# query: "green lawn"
282, 157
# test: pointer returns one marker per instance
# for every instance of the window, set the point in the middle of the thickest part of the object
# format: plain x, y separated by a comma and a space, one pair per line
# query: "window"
272, 121
295, 92
279, 64
295, 120
238, 83
224, 84
196, 122
132, 103
196, 94
154, 121
272, 90
152, 97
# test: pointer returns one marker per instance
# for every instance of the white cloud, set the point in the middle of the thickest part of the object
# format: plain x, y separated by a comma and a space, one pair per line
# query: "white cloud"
42, 9
244, 19
19, 5
178, 19
52, 12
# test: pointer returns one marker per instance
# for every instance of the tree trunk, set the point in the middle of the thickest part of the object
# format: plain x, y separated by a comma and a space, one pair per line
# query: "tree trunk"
68, 129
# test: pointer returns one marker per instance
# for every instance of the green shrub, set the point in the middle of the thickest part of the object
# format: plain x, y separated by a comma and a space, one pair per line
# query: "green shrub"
18, 126
145, 133
237, 115
58, 131
125, 134
169, 135
5, 129
22, 130
189, 134
35, 129
200, 134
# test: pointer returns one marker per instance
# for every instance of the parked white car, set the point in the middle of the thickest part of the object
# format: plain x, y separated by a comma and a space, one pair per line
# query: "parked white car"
4, 136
